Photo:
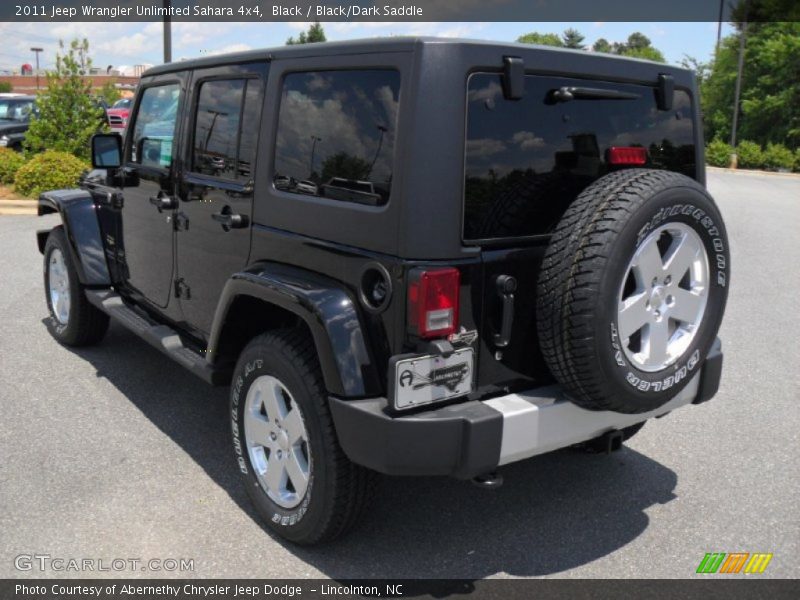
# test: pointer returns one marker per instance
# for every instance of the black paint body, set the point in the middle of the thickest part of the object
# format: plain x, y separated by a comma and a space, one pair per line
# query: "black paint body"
299, 258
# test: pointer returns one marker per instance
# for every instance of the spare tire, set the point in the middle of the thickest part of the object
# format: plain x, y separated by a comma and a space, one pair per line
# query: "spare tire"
632, 290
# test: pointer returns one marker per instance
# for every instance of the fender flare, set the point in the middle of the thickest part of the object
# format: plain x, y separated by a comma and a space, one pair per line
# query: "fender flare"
79, 217
330, 313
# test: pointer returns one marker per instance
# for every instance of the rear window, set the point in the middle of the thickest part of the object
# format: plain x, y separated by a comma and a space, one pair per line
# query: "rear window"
336, 134
527, 159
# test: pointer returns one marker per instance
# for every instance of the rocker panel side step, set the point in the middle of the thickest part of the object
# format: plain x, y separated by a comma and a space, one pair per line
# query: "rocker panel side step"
159, 336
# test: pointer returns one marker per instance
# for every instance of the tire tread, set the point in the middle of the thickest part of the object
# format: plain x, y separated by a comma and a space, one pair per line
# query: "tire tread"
573, 265
352, 486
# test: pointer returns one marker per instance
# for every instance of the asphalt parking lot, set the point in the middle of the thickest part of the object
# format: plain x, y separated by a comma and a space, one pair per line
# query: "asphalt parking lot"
117, 452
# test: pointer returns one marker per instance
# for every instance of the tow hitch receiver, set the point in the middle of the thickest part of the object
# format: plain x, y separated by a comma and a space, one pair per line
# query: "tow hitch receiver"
607, 443
488, 481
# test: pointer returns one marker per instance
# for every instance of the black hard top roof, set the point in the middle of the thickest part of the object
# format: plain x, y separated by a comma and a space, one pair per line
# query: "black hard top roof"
363, 46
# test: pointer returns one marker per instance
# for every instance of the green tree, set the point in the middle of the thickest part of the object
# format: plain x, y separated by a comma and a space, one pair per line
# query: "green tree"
637, 45
770, 96
543, 39
637, 41
344, 165
647, 52
314, 34
67, 116
602, 45
700, 68
572, 38
5, 87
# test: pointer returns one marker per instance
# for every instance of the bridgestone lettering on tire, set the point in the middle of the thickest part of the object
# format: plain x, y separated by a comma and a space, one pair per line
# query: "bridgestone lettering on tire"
280, 420
632, 290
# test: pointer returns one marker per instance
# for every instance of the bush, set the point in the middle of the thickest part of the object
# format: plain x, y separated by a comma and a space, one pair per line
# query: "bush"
10, 162
797, 160
50, 170
749, 155
718, 153
5, 87
778, 156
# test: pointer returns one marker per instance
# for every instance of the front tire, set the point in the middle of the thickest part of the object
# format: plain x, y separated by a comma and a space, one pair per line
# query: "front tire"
73, 321
290, 461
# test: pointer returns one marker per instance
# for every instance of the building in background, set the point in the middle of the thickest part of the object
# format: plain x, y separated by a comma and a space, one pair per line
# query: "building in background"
124, 77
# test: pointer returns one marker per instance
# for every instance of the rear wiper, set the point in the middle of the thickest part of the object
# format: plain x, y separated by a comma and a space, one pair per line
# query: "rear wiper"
565, 94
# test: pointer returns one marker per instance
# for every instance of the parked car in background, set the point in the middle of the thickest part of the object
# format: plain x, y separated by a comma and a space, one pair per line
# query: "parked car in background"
351, 190
306, 187
15, 116
118, 114
282, 182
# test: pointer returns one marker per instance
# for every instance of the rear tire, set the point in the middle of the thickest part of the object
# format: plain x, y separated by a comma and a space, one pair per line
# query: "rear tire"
318, 493
73, 320
632, 290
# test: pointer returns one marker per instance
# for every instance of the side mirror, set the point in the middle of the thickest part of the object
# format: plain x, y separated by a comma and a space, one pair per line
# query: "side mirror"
106, 150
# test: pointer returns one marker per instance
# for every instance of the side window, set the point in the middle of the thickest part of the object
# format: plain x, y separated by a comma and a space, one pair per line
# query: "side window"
154, 128
216, 128
336, 134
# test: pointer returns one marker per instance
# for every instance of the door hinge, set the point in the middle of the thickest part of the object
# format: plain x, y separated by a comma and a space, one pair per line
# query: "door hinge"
180, 222
182, 290
115, 200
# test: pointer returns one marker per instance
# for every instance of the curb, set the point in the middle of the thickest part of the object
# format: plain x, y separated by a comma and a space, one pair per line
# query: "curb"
18, 207
752, 172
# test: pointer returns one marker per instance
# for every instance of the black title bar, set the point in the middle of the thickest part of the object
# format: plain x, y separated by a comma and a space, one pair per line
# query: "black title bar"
254, 11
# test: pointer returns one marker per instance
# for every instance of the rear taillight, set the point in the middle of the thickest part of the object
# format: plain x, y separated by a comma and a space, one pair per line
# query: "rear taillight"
626, 155
433, 302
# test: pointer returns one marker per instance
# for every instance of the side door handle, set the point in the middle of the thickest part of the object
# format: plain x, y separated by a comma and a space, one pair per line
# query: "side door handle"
505, 285
164, 202
229, 220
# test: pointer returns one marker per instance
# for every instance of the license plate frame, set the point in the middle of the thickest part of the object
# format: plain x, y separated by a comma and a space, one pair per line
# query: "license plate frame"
420, 380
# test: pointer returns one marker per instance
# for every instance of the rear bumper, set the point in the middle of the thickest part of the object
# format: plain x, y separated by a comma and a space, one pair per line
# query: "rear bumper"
468, 439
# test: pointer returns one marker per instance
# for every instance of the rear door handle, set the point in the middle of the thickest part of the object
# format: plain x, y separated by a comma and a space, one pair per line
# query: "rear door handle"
229, 220
506, 285
164, 202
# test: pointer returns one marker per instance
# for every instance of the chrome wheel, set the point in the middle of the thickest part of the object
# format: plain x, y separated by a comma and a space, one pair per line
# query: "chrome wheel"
277, 441
662, 299
58, 282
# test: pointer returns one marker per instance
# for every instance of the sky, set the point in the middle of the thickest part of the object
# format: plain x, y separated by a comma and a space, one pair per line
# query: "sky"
120, 44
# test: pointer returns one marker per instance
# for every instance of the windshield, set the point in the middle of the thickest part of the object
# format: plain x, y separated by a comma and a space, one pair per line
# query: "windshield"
123, 103
15, 110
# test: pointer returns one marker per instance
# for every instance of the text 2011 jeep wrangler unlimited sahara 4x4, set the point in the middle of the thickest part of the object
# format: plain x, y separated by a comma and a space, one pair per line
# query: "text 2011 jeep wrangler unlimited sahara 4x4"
410, 256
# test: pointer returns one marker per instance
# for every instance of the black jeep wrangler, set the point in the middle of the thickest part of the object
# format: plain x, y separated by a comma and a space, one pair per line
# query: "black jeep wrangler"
405, 256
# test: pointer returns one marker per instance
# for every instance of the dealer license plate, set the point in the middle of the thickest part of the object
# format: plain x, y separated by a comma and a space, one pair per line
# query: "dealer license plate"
425, 379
